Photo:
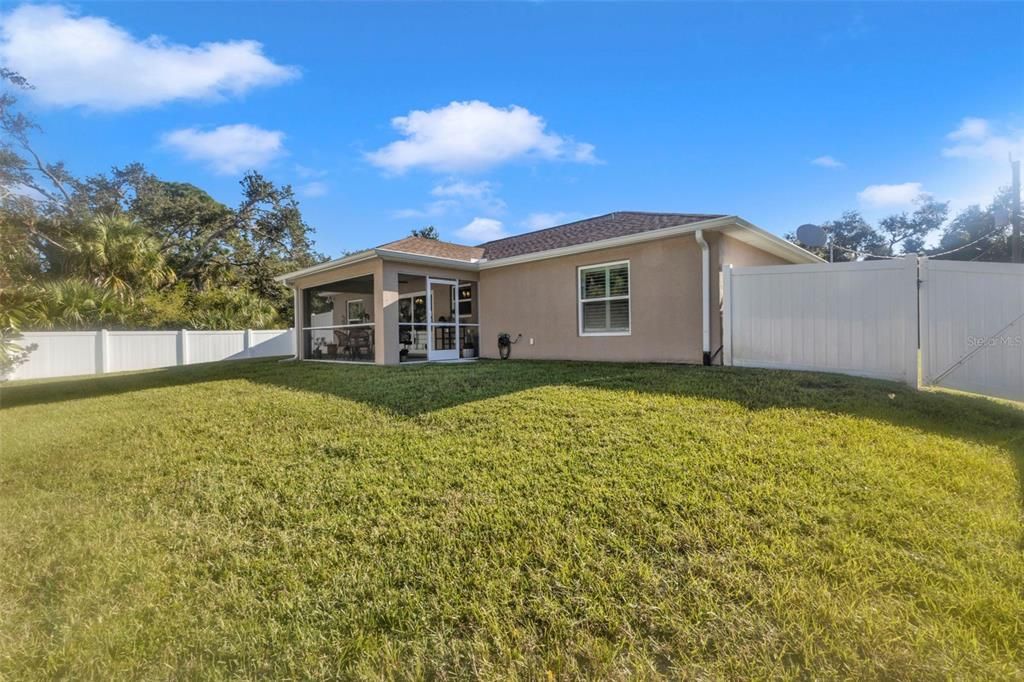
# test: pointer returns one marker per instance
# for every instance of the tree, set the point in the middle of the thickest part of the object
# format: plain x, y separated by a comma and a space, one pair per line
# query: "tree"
851, 235
153, 231
428, 232
75, 303
909, 231
973, 235
854, 238
231, 309
117, 253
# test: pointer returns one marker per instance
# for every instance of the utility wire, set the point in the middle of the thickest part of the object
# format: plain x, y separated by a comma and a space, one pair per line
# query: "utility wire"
930, 255
972, 243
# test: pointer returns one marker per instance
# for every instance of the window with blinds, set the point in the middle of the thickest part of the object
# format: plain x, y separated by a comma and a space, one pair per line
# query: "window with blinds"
604, 299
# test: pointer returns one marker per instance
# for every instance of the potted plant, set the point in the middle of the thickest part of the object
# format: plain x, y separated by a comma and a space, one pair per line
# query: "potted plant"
317, 348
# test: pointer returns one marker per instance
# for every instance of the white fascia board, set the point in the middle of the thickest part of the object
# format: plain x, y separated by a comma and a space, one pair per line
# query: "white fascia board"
350, 259
640, 237
750, 233
422, 259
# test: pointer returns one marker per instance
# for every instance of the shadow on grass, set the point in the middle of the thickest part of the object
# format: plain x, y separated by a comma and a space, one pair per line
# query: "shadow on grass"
414, 390
42, 391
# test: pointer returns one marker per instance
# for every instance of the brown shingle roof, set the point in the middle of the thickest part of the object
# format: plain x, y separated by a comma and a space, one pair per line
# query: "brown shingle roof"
618, 224
434, 247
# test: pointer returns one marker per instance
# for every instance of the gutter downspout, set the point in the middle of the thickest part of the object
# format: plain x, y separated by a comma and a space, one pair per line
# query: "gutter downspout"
705, 309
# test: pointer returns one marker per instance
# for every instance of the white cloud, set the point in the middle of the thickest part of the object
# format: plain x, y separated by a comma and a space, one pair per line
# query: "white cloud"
462, 189
466, 136
431, 210
482, 230
975, 139
88, 61
828, 162
228, 149
971, 129
456, 195
314, 189
538, 221
880, 196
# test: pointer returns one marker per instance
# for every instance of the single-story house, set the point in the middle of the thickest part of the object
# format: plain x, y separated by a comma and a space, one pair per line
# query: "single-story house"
626, 286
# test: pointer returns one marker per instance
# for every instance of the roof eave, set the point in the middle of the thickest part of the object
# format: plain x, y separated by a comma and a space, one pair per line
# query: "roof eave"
766, 241
424, 259
350, 259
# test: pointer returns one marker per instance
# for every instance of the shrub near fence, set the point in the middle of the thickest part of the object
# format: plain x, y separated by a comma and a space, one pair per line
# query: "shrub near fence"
62, 354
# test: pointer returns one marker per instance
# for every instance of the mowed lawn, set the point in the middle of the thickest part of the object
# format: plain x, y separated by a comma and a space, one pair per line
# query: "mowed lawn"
507, 520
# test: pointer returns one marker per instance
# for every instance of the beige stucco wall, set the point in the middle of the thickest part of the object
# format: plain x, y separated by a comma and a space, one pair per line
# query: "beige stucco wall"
538, 300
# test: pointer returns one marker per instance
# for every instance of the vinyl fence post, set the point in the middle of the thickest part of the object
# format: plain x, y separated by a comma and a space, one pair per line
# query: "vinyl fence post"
727, 316
248, 343
923, 334
912, 326
183, 347
102, 351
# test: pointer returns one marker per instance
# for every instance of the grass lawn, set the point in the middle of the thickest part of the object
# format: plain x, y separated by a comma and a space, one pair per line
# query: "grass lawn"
499, 520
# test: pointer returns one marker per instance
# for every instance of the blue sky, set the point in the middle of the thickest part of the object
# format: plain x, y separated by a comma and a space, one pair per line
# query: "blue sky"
491, 119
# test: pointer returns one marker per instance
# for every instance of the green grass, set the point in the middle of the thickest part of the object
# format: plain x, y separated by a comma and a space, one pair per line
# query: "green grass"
507, 520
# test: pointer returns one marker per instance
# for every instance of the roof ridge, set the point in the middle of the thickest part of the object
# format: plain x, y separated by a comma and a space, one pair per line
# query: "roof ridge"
547, 229
598, 217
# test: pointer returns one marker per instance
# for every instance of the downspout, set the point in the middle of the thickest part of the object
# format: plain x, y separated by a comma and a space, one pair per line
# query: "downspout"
705, 308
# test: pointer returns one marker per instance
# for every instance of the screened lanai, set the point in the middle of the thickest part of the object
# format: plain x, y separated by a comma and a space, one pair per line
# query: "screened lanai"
339, 321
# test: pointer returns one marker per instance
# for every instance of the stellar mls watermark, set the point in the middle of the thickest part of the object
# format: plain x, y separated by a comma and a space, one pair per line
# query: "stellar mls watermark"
1007, 341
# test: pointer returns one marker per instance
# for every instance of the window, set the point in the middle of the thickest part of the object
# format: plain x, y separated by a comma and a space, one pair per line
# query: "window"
604, 299
356, 311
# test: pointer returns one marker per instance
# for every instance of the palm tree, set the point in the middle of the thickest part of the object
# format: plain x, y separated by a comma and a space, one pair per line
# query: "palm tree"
116, 253
75, 303
231, 309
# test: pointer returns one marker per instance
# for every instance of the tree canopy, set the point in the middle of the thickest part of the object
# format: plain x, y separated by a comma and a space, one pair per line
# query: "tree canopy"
971, 235
128, 248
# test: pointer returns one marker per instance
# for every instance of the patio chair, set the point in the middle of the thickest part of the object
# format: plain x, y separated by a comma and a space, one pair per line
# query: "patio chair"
361, 344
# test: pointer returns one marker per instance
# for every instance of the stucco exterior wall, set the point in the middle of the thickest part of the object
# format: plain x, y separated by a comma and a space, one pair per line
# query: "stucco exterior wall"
539, 301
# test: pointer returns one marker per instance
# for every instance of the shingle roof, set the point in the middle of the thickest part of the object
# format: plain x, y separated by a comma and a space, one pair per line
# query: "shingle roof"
618, 224
434, 247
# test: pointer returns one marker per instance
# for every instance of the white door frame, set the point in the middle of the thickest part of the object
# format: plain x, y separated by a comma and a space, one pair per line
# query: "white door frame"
432, 353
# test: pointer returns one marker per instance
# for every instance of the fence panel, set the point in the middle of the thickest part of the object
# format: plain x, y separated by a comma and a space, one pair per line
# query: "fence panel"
128, 351
64, 354
61, 354
214, 346
972, 327
851, 318
271, 342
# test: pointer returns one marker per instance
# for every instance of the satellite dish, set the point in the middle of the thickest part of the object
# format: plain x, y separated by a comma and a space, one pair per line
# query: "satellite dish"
811, 235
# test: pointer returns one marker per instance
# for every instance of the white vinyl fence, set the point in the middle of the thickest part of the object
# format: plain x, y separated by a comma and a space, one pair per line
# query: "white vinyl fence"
868, 319
61, 354
852, 318
972, 327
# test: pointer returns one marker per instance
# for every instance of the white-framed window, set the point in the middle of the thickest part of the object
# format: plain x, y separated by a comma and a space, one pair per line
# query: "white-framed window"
356, 310
603, 297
